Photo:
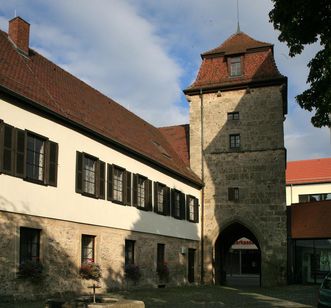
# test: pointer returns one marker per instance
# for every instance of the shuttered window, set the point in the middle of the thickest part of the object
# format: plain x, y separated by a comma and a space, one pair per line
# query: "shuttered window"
192, 209
142, 192
118, 185
90, 175
178, 204
28, 155
161, 198
35, 163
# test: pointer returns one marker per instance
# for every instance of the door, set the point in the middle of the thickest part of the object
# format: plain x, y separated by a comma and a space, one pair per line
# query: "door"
191, 261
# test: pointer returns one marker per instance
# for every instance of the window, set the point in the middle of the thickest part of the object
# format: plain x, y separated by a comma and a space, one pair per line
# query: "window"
314, 197
89, 178
88, 242
35, 163
29, 244
129, 252
178, 204
234, 141
161, 198
118, 191
142, 192
119, 185
233, 115
90, 175
27, 155
233, 194
235, 66
192, 210
160, 255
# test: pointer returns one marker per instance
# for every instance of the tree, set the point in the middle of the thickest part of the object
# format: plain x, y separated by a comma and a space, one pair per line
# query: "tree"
303, 22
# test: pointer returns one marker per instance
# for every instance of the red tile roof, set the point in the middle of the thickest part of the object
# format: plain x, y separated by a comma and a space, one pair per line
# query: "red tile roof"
258, 65
38, 80
239, 42
308, 171
179, 137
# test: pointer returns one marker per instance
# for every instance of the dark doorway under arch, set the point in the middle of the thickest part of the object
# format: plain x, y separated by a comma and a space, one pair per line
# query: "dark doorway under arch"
225, 240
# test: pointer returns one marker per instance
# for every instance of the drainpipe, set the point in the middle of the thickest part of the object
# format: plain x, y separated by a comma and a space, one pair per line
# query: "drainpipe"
202, 192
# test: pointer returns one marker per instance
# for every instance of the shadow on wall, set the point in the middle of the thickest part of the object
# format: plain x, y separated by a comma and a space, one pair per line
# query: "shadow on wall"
60, 255
245, 160
59, 273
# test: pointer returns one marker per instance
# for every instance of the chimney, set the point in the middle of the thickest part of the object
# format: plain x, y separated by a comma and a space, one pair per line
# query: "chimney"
18, 32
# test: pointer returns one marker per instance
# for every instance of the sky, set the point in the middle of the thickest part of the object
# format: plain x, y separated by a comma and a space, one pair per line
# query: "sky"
143, 53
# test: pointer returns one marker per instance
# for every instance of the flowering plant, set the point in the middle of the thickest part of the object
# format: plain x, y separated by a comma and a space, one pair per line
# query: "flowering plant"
30, 269
132, 272
90, 271
163, 271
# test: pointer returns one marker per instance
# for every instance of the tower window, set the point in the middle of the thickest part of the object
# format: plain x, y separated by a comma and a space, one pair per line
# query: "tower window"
233, 194
233, 115
235, 66
234, 141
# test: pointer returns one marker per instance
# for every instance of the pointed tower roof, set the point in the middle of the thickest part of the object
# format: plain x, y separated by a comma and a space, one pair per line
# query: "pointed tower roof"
257, 64
239, 42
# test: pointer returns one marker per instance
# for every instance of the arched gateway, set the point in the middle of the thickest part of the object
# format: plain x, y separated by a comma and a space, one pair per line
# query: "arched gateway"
237, 107
237, 256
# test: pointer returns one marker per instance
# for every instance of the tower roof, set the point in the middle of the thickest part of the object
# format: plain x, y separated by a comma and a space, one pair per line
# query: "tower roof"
258, 66
237, 43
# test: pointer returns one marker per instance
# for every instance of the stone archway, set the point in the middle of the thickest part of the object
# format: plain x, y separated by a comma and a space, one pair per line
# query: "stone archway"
227, 237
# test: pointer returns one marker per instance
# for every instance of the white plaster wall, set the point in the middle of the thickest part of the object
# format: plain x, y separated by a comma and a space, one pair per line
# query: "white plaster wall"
293, 191
62, 202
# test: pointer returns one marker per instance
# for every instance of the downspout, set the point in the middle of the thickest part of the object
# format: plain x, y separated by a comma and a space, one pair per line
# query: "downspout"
202, 192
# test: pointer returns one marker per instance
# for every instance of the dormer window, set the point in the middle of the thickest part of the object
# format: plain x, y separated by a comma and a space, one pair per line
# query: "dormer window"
235, 66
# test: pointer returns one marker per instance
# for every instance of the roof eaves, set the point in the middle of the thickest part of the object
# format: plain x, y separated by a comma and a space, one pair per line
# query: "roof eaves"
194, 179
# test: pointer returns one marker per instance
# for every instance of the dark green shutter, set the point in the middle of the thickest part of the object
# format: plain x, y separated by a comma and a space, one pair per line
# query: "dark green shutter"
166, 208
128, 188
102, 180
20, 153
1, 144
135, 190
182, 205
173, 202
8, 149
79, 172
109, 182
52, 162
149, 195
188, 199
196, 210
156, 196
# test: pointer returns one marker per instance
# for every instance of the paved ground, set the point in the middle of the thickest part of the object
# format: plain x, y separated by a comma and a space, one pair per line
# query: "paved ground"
214, 296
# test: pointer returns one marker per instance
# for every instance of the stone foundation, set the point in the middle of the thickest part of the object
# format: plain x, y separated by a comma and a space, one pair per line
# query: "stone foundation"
60, 254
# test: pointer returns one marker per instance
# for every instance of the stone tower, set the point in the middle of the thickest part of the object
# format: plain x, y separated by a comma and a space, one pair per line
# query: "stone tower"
237, 107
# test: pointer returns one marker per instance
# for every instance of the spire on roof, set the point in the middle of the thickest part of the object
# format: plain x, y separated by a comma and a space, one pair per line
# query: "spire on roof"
238, 25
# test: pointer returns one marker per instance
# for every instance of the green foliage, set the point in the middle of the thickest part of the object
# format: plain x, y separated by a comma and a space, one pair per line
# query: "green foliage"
90, 271
303, 22
30, 270
132, 272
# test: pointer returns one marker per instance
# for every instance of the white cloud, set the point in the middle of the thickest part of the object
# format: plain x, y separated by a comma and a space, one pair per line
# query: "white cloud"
142, 53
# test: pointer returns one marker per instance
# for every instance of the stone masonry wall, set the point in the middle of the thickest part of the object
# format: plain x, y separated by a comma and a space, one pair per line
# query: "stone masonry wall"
60, 254
257, 169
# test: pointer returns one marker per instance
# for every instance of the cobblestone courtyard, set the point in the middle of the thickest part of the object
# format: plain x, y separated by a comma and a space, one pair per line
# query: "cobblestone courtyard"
213, 296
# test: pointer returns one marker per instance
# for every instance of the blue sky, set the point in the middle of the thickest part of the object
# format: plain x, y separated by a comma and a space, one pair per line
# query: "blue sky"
143, 53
